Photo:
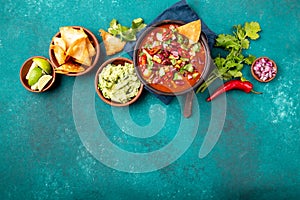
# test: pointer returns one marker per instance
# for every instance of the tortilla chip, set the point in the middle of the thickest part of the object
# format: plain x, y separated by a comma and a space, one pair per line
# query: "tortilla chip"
59, 54
90, 47
191, 30
112, 44
69, 67
60, 71
79, 51
70, 34
60, 42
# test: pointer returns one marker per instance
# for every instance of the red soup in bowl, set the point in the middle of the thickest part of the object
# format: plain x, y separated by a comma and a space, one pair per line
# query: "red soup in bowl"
167, 62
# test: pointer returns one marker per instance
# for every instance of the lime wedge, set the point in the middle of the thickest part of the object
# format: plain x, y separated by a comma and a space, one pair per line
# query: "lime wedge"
42, 82
35, 86
43, 64
34, 75
33, 65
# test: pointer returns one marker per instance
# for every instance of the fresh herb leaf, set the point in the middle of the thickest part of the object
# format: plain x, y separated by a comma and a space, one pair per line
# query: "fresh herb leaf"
240, 32
238, 74
227, 41
219, 62
252, 30
250, 59
124, 32
231, 65
245, 44
136, 23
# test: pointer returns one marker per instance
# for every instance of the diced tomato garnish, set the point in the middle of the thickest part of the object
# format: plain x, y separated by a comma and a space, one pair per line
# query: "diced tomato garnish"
143, 59
153, 50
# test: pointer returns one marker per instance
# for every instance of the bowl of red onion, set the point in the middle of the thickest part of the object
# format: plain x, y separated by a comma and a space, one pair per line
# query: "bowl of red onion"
264, 69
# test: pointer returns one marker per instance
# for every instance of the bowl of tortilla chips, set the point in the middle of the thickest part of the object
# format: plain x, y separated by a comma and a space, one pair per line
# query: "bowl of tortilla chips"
74, 51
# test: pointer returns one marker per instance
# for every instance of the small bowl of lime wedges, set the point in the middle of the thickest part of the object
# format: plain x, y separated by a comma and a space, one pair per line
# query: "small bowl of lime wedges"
37, 74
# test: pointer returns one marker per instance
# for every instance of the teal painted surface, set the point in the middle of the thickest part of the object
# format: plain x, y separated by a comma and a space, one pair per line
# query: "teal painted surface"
42, 156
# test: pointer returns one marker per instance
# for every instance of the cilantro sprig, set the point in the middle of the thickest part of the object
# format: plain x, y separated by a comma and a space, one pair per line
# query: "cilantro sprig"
230, 66
124, 32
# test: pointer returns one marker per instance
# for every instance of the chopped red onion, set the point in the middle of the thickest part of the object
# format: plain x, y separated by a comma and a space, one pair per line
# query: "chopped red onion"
264, 69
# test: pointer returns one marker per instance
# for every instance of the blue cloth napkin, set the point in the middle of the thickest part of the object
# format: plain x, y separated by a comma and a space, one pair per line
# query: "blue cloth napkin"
179, 11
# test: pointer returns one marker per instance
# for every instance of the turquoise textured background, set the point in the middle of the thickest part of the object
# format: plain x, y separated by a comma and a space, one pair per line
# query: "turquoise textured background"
42, 156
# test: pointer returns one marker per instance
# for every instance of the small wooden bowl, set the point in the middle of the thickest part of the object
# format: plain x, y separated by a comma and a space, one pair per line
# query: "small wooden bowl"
256, 76
115, 61
94, 42
24, 70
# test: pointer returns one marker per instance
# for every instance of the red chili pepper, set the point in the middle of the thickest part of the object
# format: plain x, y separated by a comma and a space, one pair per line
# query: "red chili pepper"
245, 86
